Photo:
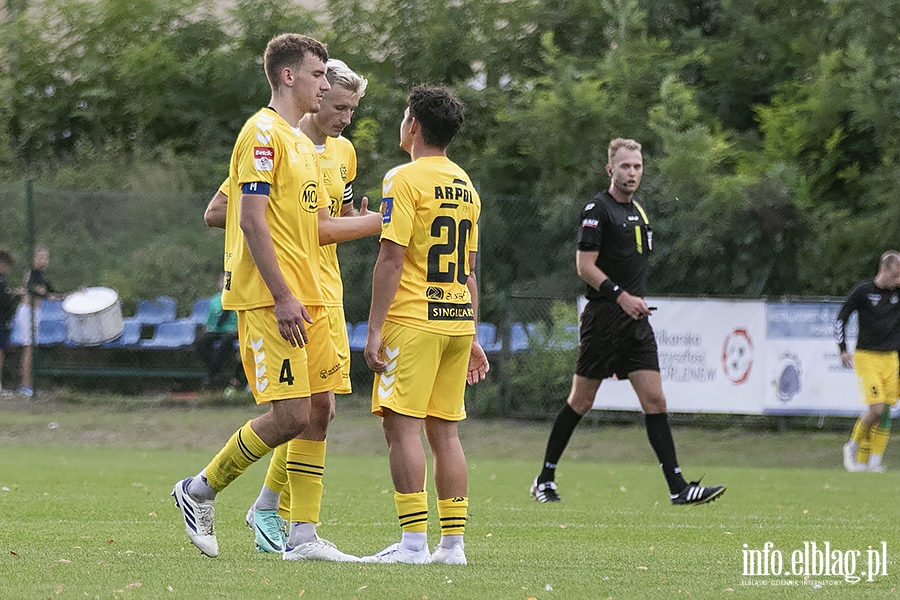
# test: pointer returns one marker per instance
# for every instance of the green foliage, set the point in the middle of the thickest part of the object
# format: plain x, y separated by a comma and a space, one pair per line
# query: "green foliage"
769, 128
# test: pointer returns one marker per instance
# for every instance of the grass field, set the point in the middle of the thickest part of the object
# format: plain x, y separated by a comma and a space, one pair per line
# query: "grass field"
85, 512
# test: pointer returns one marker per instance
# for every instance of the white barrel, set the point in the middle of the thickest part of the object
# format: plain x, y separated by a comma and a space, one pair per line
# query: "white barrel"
93, 316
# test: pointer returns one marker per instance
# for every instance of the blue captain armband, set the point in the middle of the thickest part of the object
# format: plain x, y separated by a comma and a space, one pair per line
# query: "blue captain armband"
256, 188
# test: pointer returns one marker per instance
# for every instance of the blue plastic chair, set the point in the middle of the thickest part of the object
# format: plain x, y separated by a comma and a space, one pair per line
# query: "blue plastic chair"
174, 334
199, 311
51, 310
154, 312
487, 337
52, 332
131, 335
358, 337
518, 338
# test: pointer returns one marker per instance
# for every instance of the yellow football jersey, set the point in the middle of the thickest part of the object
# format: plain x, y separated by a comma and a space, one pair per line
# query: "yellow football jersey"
431, 208
269, 151
338, 163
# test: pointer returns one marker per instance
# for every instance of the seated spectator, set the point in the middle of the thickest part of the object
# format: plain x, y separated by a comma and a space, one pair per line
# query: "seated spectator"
216, 345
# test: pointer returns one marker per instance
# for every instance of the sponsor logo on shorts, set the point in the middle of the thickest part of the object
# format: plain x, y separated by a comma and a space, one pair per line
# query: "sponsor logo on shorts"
263, 158
326, 373
445, 311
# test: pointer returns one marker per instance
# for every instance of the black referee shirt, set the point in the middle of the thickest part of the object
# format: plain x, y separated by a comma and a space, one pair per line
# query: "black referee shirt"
622, 236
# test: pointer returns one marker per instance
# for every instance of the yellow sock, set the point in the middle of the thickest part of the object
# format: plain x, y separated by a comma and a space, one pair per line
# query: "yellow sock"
879, 437
242, 450
305, 465
412, 511
860, 433
284, 503
453, 513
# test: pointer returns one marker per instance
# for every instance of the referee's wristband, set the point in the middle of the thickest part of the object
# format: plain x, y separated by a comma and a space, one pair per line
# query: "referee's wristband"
609, 290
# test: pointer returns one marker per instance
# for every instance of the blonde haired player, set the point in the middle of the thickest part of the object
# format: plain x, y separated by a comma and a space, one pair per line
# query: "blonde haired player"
421, 340
877, 303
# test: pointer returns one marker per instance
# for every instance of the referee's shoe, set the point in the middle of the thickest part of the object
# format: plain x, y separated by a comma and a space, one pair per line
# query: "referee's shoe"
544, 491
694, 493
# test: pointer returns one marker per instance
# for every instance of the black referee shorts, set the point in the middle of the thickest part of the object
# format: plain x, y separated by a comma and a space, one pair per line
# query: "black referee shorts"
612, 343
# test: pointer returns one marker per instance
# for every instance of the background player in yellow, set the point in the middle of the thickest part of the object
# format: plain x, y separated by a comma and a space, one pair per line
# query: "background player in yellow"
877, 304
338, 170
272, 281
421, 340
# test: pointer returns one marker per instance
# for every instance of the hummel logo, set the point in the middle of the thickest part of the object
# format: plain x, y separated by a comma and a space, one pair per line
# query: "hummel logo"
391, 353
388, 186
256, 345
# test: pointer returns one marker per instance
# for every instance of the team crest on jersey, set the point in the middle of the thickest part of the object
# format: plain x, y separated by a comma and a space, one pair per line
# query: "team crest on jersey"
434, 293
874, 299
263, 158
309, 200
344, 171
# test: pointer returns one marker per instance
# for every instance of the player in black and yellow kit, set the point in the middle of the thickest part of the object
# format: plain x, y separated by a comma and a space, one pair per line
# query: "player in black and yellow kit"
421, 340
877, 304
272, 281
614, 241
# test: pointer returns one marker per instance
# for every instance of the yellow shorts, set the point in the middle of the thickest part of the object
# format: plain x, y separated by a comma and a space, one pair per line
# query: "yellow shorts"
338, 326
278, 371
426, 374
877, 376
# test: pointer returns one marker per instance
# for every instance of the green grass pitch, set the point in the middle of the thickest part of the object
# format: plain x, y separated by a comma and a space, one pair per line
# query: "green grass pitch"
85, 512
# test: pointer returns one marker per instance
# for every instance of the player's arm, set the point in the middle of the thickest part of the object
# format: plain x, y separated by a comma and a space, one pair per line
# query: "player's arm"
343, 229
216, 211
840, 328
290, 313
347, 208
385, 281
478, 361
586, 264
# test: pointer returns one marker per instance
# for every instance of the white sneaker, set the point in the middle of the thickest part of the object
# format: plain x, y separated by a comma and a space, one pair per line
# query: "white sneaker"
449, 556
395, 553
317, 549
879, 468
850, 459
198, 519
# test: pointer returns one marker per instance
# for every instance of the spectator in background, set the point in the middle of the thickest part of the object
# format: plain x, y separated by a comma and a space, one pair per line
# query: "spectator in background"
37, 289
216, 345
8, 299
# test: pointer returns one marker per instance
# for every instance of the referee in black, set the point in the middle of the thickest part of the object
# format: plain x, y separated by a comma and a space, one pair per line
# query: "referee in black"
614, 240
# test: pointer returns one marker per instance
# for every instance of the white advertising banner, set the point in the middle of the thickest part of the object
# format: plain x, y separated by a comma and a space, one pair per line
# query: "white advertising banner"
711, 357
803, 362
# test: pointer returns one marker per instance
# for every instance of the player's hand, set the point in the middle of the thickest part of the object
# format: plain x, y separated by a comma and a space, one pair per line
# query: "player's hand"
373, 351
364, 206
478, 364
634, 306
846, 360
292, 319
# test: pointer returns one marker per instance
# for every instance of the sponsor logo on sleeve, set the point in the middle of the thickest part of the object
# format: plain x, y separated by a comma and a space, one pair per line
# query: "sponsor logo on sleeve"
263, 158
